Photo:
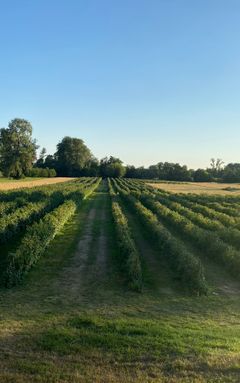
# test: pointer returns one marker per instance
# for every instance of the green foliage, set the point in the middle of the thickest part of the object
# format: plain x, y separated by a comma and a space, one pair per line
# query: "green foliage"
72, 157
185, 265
206, 241
112, 167
17, 149
202, 175
231, 173
42, 172
18, 219
35, 241
127, 248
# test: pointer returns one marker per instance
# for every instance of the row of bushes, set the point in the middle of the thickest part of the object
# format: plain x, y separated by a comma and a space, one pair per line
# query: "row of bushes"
39, 234
27, 212
207, 211
217, 245
20, 218
230, 234
37, 193
208, 242
187, 268
129, 253
127, 248
35, 241
42, 172
7, 207
227, 209
194, 212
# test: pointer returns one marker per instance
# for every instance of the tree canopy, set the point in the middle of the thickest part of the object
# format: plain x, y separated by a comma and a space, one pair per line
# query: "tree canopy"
72, 157
17, 148
111, 167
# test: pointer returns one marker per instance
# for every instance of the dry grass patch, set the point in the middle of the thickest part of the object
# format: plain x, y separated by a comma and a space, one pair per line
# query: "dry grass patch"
9, 185
198, 187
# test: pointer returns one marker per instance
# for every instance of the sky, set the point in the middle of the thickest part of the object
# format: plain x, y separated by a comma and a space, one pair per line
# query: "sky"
143, 80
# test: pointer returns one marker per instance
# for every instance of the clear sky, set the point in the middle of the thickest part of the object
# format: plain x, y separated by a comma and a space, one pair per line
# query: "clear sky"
144, 80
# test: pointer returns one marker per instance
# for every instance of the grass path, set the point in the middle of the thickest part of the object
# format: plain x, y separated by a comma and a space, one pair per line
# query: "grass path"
74, 321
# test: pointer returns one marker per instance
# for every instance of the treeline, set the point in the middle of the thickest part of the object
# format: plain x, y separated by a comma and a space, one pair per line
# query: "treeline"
174, 172
18, 158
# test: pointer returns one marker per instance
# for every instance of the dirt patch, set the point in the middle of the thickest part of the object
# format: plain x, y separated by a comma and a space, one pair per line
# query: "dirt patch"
30, 184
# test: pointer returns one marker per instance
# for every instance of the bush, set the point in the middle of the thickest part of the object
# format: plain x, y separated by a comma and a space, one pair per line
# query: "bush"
42, 172
127, 248
35, 241
185, 265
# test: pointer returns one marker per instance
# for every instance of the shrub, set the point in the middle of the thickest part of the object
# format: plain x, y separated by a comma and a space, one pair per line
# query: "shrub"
35, 241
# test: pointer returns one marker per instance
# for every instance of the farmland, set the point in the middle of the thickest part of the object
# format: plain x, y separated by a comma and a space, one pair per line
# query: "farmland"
6, 184
197, 187
116, 281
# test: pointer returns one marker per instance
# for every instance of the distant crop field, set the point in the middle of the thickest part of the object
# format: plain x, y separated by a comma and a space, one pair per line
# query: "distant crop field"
6, 184
197, 187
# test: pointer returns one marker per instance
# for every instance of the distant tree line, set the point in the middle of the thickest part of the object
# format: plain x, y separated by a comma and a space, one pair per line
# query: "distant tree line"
18, 158
174, 172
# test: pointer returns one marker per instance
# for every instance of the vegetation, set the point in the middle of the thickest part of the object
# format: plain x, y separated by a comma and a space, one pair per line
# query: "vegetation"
97, 244
35, 241
74, 159
127, 247
186, 267
17, 148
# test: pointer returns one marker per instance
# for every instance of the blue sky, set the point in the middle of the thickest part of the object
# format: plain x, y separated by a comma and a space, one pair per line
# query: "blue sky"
144, 80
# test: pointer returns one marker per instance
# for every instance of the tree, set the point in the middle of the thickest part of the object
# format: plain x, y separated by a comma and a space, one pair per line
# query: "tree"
40, 161
72, 157
50, 162
201, 175
111, 167
17, 148
216, 167
231, 173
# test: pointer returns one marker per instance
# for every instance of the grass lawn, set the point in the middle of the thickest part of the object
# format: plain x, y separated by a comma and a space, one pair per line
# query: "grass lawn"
73, 319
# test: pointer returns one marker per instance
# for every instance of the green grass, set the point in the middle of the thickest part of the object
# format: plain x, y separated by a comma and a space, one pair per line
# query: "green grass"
101, 332
4, 179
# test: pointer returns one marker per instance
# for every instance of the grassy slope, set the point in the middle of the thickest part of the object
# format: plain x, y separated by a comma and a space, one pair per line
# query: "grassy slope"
91, 329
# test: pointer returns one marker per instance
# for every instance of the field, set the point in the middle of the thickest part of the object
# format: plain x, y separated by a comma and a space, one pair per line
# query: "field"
197, 187
116, 281
6, 184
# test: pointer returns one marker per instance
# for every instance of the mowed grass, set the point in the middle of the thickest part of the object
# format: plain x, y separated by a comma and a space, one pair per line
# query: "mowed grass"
197, 187
105, 333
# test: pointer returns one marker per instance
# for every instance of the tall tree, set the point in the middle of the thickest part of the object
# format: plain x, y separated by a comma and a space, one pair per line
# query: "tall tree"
72, 157
111, 167
40, 161
17, 148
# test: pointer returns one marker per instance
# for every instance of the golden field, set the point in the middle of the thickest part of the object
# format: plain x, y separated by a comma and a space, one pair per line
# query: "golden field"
198, 187
8, 185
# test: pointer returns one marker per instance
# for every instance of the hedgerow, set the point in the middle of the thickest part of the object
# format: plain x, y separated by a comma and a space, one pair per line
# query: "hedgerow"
208, 242
185, 265
129, 253
35, 241
20, 218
